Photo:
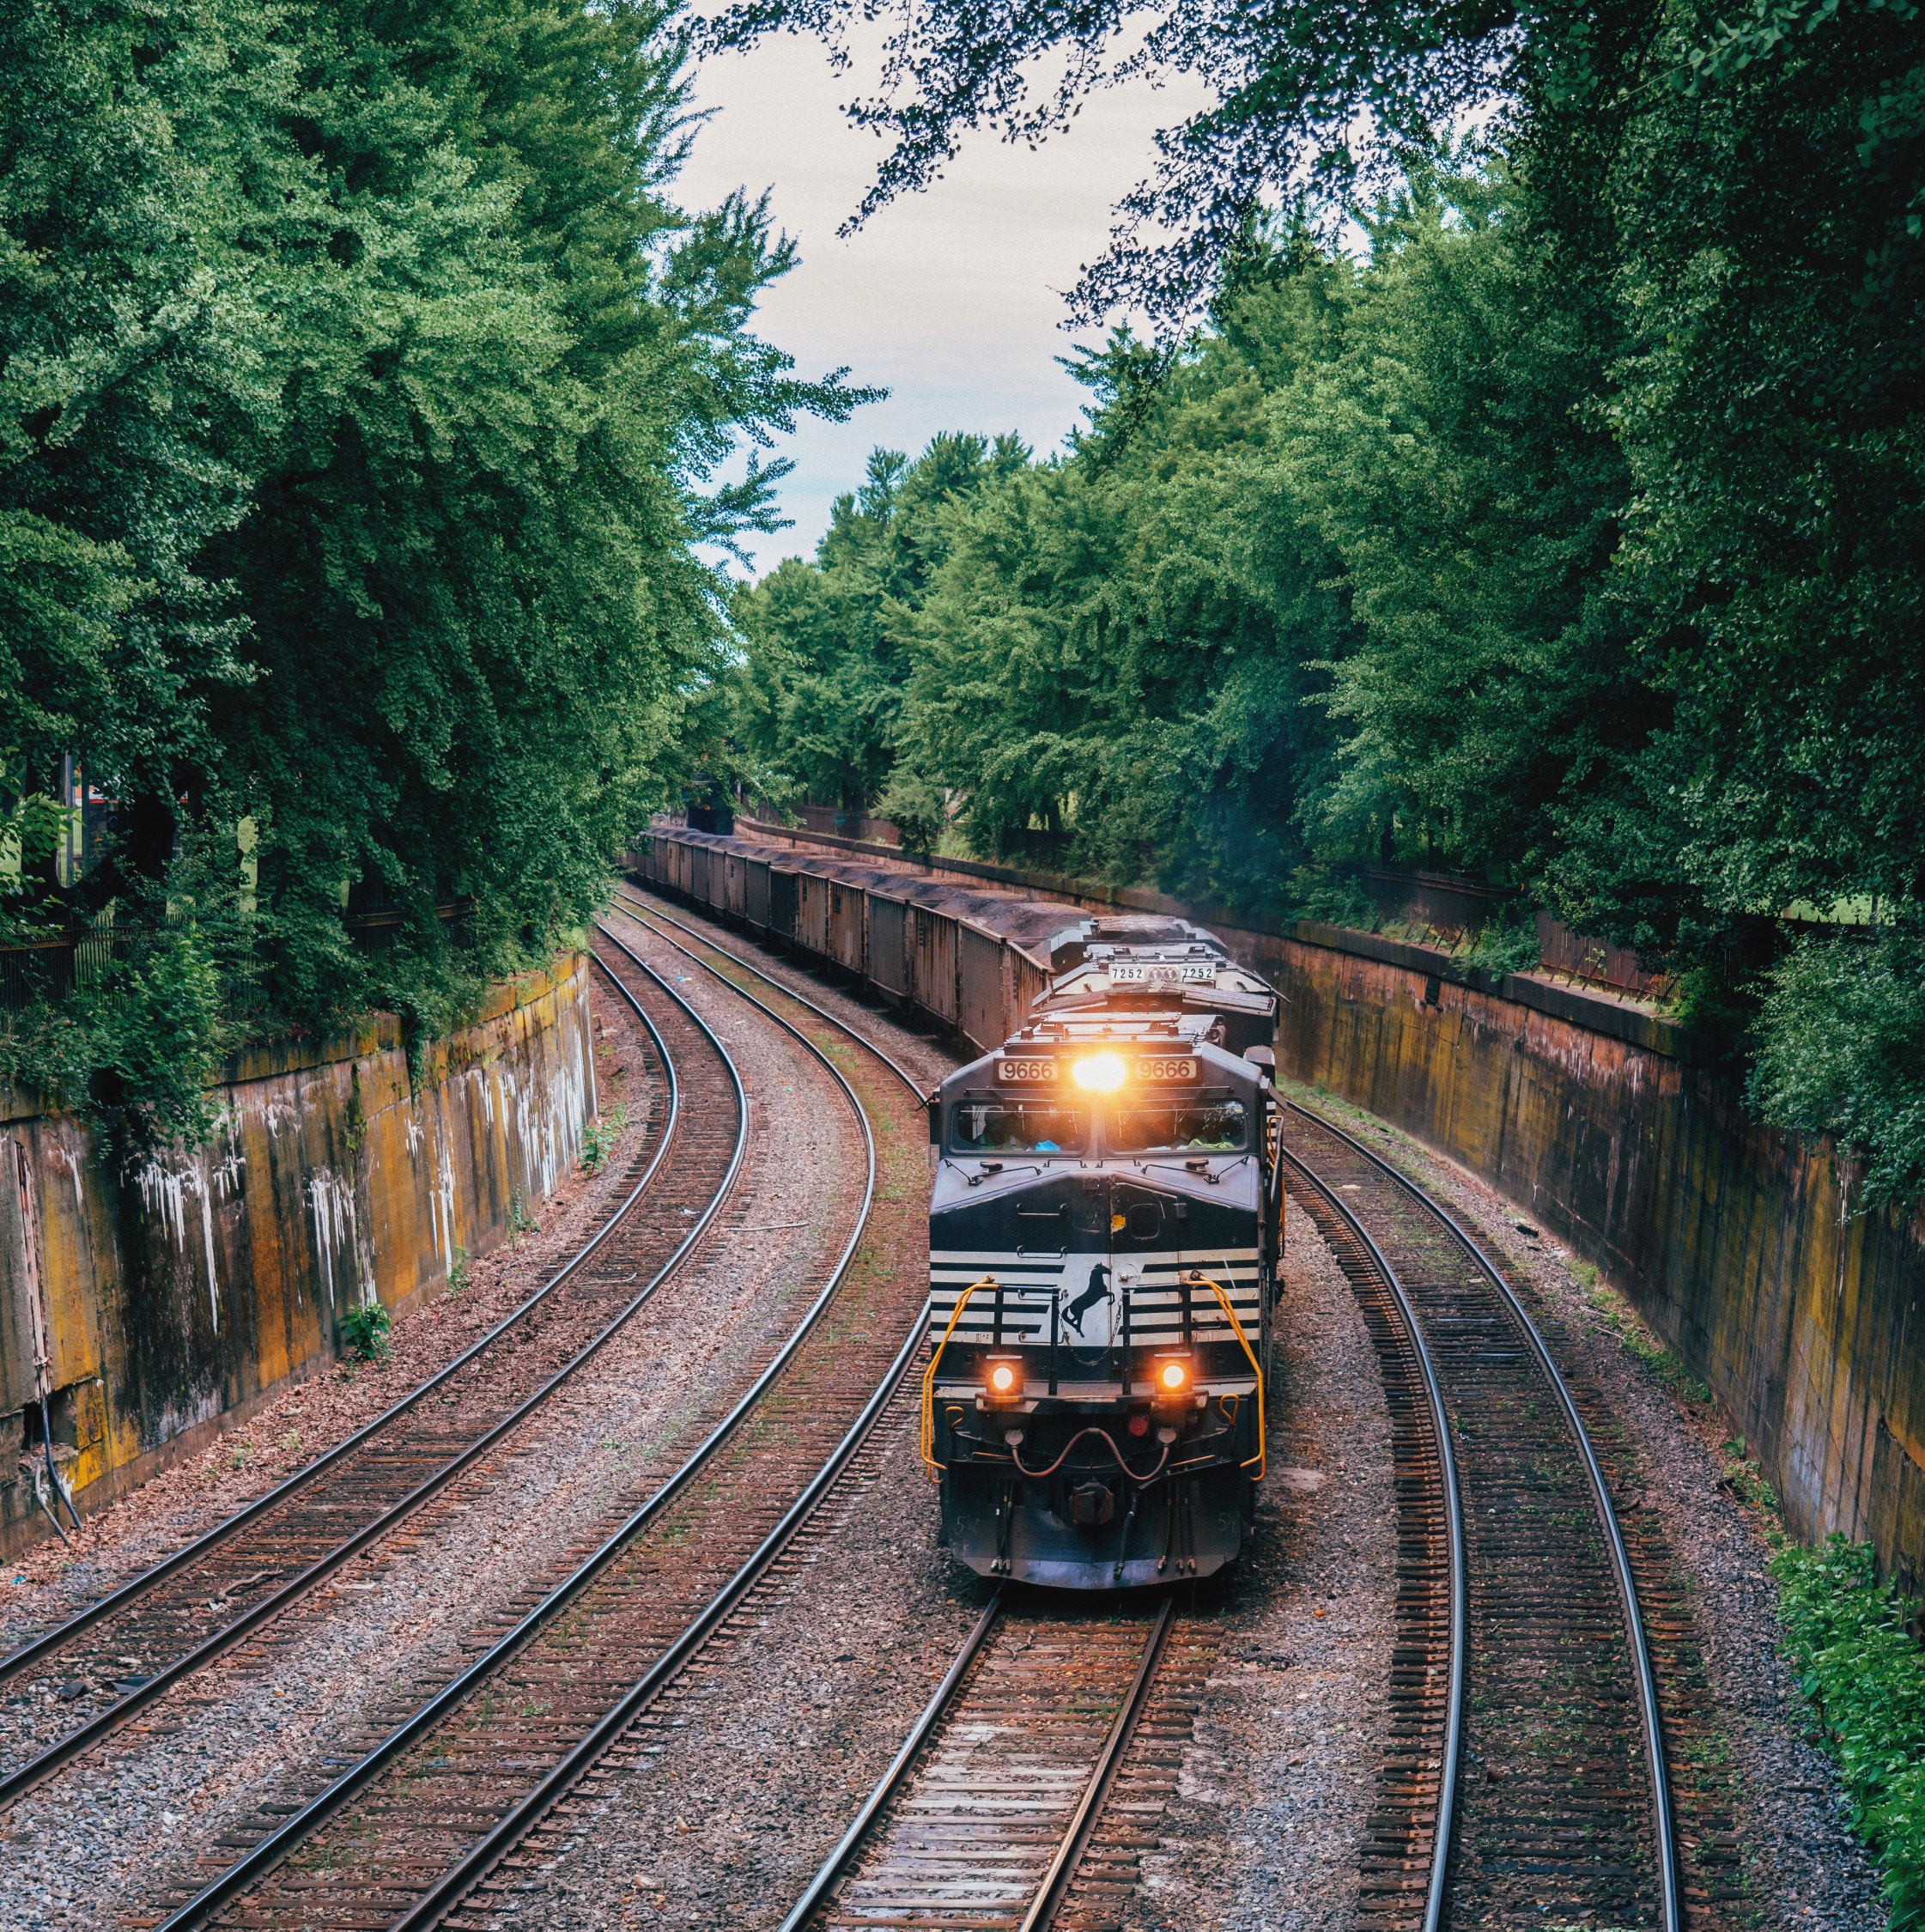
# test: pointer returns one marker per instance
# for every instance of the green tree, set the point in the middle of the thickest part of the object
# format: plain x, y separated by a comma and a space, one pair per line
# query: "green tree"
828, 656
362, 389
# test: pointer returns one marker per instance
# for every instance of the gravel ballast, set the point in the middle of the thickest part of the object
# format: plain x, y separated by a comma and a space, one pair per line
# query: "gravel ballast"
718, 1805
153, 1796
728, 1795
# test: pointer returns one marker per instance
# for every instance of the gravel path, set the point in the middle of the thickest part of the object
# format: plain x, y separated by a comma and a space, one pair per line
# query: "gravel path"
1802, 1865
744, 1776
155, 1796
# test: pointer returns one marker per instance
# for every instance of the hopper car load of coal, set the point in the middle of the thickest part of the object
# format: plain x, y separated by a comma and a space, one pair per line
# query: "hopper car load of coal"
1106, 1215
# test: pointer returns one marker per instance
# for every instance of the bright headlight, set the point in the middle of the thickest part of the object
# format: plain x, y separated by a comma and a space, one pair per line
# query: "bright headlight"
1002, 1378
1173, 1376
1099, 1072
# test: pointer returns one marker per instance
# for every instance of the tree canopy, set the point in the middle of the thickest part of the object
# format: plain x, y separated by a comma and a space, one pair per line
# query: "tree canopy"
1568, 534
360, 388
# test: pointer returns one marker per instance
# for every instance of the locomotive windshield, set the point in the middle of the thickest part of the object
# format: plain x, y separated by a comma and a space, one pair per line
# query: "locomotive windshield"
1168, 1126
1017, 1126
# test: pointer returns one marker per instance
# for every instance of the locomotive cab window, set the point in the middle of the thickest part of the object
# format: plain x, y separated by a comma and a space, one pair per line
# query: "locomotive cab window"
1015, 1126
1193, 1124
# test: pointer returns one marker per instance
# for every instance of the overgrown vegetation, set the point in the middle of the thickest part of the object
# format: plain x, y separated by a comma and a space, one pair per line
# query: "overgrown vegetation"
1618, 1316
600, 1136
1565, 533
1843, 1052
361, 384
364, 1332
1863, 1674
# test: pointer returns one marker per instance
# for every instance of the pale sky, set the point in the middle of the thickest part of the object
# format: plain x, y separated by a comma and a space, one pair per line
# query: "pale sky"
951, 300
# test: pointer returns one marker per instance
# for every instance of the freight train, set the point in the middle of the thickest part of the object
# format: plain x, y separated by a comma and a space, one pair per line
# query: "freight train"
1106, 1217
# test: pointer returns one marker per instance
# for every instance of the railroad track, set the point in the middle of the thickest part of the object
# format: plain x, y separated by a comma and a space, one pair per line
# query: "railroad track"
106, 1665
1526, 1771
1020, 1797
987, 1812
425, 1813
1551, 1795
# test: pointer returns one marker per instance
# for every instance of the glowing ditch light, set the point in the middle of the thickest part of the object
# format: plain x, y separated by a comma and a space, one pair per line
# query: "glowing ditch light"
1002, 1380
1100, 1073
1169, 1381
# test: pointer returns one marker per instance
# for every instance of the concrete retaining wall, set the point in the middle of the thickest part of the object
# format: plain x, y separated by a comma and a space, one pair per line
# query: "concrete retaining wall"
175, 1291
1733, 1240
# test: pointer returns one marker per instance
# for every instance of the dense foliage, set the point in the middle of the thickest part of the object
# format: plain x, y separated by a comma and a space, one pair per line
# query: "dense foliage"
359, 387
1863, 1674
1568, 531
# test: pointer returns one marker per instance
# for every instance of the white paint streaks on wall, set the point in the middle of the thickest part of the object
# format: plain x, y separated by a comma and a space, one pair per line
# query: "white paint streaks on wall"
547, 1121
166, 1191
336, 1223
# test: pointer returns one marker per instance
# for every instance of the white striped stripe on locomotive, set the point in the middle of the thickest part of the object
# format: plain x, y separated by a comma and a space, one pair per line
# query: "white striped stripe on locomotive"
1029, 1281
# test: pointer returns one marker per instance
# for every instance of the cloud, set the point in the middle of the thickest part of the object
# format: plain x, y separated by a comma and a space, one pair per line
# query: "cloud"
953, 299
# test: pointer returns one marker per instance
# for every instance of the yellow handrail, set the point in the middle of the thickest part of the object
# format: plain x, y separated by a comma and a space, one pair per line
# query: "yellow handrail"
1237, 1329
927, 1447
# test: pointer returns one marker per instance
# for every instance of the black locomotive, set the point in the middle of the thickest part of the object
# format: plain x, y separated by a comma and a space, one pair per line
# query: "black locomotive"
1105, 1234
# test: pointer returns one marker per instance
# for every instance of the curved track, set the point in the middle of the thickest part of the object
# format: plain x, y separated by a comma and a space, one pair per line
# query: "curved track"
1526, 1771
161, 1627
1562, 1801
417, 1822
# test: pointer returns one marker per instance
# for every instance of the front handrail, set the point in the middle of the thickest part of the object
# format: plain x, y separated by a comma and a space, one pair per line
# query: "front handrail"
1216, 1288
927, 1447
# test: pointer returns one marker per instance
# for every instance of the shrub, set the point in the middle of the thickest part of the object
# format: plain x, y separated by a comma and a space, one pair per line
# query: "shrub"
1841, 1050
598, 1138
364, 1332
1507, 944
1864, 1675
520, 1221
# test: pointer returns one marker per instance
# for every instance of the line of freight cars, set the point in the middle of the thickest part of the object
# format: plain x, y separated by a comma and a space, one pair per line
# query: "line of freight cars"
972, 961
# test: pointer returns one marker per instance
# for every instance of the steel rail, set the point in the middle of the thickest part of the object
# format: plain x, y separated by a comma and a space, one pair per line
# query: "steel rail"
488, 1851
454, 1886
1671, 1901
833, 1867
1048, 1895
1083, 1822
1454, 1518
635, 908
76, 1743
460, 1878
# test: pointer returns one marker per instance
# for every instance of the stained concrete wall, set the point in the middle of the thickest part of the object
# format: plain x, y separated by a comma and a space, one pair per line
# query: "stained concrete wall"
178, 1290
1733, 1240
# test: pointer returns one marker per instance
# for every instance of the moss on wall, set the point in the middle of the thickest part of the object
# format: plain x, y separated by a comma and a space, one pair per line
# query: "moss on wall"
180, 1288
1733, 1240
